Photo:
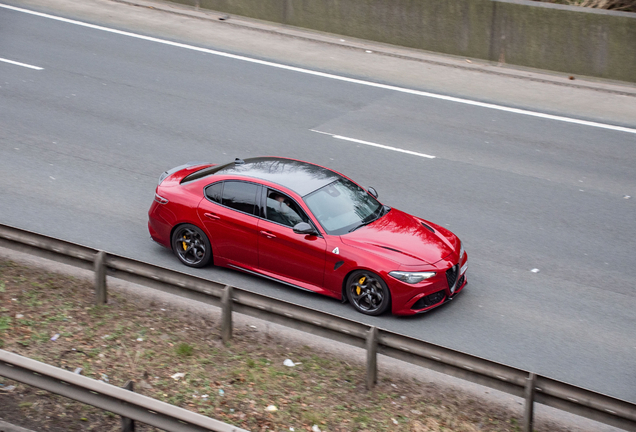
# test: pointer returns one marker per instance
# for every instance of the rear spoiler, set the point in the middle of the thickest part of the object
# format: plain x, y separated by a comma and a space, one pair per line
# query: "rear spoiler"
168, 173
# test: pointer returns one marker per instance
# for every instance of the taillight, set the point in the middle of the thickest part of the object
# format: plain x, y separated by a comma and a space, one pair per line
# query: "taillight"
160, 199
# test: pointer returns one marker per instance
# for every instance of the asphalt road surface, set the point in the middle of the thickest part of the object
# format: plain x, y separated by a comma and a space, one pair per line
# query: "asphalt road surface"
89, 119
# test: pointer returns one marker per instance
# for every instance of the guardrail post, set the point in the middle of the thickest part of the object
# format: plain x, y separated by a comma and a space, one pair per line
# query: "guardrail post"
128, 425
372, 357
528, 416
226, 314
99, 266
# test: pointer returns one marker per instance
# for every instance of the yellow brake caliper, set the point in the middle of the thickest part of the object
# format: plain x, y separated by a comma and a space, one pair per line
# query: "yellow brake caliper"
360, 282
185, 246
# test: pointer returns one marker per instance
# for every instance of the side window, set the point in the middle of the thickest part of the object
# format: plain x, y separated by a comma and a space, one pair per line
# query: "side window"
283, 210
213, 192
240, 196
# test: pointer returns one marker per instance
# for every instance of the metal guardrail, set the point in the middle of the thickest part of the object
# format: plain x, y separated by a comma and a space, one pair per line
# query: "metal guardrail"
108, 397
533, 388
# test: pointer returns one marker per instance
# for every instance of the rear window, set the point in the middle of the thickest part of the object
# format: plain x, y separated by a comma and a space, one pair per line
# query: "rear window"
240, 196
214, 192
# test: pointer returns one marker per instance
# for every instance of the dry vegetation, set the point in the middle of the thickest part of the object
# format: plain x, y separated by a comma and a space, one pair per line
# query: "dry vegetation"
129, 340
620, 5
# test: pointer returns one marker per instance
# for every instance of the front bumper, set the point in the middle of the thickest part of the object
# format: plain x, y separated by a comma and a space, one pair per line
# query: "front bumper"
442, 288
443, 297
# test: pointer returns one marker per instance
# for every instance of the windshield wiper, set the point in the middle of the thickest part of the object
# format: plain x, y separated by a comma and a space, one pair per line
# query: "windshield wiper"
361, 225
382, 211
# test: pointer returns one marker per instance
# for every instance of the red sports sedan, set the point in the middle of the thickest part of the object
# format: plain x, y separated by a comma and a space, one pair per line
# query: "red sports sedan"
309, 227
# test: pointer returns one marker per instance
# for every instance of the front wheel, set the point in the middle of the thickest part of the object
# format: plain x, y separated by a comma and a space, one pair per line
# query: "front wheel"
191, 246
368, 293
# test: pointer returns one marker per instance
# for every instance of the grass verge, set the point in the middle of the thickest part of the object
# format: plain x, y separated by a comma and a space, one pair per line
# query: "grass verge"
125, 340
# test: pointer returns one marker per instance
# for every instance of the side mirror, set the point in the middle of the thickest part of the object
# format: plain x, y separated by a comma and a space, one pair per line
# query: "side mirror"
304, 228
373, 192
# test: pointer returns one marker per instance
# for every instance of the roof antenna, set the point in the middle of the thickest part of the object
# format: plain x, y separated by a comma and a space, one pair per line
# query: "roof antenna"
239, 161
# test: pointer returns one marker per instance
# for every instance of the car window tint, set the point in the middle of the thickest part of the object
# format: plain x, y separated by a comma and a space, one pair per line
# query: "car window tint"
283, 210
240, 196
213, 192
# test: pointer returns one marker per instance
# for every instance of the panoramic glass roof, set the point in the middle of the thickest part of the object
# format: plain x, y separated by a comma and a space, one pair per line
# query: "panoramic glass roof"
301, 177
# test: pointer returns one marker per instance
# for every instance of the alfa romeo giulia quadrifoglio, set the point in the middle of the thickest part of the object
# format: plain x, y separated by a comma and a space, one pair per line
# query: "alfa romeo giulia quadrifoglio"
309, 227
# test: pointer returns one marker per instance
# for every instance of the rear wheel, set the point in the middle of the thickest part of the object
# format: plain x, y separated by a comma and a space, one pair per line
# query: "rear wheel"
191, 246
368, 293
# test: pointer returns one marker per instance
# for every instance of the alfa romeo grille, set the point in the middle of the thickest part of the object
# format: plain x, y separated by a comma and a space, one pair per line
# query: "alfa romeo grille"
451, 277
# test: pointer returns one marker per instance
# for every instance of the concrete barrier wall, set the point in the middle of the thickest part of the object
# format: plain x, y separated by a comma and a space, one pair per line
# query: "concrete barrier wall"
568, 39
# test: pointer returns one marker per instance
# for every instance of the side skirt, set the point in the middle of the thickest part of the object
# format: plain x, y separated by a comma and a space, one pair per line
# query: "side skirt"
270, 278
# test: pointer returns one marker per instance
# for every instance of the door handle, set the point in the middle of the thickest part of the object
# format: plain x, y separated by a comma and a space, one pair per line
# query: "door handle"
211, 216
268, 234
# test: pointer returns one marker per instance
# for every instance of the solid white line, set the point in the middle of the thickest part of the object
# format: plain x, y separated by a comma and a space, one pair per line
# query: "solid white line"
340, 137
331, 76
20, 64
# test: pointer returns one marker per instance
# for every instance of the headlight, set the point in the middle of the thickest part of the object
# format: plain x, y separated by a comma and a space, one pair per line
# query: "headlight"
461, 250
411, 277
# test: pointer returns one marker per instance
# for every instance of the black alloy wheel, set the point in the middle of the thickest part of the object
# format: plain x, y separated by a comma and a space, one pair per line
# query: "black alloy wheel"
191, 246
368, 293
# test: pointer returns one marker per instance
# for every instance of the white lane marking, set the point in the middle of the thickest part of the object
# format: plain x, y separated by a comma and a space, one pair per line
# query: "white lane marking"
332, 76
386, 147
20, 64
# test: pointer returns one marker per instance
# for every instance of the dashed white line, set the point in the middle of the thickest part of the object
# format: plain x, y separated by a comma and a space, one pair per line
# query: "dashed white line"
20, 64
331, 76
382, 146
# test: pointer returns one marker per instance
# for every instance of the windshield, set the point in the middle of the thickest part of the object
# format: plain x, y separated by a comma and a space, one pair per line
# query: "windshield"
343, 206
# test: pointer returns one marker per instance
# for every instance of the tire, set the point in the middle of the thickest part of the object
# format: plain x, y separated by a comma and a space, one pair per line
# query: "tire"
367, 292
191, 246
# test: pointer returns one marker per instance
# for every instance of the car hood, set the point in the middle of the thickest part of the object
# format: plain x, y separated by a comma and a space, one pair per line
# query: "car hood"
404, 239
